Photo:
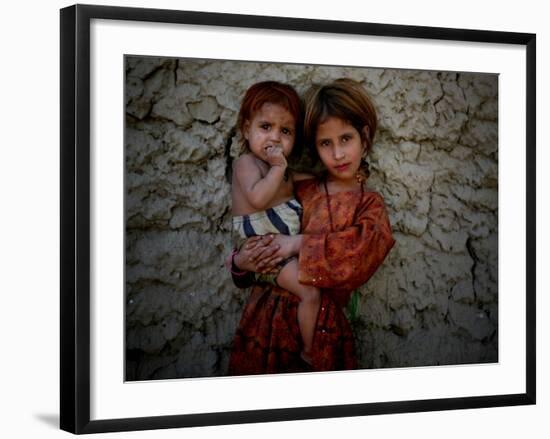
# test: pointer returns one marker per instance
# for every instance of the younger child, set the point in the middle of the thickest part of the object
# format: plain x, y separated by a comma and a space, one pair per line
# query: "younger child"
262, 188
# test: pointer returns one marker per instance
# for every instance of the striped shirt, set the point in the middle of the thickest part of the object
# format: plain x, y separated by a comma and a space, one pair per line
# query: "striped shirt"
284, 218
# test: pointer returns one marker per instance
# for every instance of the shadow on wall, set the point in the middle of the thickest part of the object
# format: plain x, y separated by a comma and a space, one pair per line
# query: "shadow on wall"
435, 161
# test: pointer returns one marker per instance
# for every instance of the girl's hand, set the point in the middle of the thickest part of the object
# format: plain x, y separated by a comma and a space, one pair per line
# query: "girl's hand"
288, 245
258, 255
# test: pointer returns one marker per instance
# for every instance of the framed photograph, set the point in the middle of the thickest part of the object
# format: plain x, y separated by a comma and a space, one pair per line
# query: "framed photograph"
427, 302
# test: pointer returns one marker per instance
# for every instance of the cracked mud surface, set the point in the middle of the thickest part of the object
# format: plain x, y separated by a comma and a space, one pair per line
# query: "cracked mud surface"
435, 161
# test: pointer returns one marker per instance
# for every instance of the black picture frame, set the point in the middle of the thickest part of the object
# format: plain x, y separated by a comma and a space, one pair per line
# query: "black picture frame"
75, 217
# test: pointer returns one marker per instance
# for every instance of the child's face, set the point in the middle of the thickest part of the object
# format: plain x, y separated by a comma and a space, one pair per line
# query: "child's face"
340, 148
271, 125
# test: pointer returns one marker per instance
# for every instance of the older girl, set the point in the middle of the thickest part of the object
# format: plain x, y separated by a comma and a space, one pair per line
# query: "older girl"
345, 237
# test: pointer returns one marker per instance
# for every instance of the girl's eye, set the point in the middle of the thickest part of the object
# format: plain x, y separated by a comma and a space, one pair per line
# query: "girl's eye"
265, 126
286, 131
324, 143
345, 139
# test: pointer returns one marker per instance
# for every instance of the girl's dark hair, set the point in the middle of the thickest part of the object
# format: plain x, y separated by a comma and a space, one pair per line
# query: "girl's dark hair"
345, 99
274, 93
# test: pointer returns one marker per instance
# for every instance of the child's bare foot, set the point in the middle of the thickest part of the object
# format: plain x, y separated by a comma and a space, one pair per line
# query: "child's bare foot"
306, 356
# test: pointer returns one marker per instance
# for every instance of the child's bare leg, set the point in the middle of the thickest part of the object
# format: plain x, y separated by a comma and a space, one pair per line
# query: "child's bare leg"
310, 301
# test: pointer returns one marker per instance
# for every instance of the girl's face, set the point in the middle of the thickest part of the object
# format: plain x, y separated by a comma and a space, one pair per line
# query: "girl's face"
340, 148
271, 125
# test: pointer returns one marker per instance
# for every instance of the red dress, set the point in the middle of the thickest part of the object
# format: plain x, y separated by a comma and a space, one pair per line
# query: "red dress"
337, 261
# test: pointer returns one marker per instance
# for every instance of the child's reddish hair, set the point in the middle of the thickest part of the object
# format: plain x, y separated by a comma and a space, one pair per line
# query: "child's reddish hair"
274, 93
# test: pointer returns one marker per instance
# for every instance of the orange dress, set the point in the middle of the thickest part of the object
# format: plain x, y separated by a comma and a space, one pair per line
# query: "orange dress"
336, 259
